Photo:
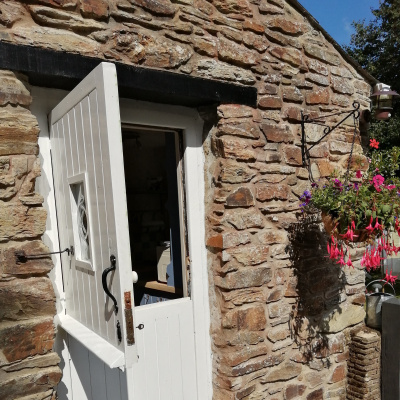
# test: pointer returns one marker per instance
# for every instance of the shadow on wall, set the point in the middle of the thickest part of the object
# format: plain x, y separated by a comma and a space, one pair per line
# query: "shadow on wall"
320, 287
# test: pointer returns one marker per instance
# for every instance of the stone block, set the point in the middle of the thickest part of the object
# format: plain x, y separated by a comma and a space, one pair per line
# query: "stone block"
272, 236
234, 358
19, 131
158, 7
287, 26
236, 54
294, 391
26, 339
321, 54
20, 222
241, 7
318, 96
247, 255
293, 94
277, 133
22, 299
293, 155
229, 147
290, 55
283, 372
244, 296
240, 197
316, 395
342, 317
226, 240
251, 319
268, 191
10, 265
318, 67
244, 219
270, 102
234, 172
318, 79
97, 9
255, 41
342, 86
13, 90
238, 127
254, 277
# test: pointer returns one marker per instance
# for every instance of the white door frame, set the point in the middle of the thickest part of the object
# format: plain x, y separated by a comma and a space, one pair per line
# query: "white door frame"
157, 115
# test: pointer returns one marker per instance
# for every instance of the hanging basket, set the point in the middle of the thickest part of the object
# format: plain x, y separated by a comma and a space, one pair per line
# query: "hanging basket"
361, 235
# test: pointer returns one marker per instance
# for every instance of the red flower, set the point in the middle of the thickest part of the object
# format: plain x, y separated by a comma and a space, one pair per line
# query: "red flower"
373, 143
358, 174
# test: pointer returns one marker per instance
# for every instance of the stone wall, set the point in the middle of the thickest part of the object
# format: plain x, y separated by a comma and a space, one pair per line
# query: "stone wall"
28, 366
280, 312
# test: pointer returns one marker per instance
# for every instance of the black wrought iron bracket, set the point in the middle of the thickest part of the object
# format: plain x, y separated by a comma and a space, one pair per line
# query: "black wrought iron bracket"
22, 257
305, 119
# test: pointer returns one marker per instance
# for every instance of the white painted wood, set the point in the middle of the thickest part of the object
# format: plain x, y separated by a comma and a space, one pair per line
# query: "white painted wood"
166, 369
105, 351
86, 135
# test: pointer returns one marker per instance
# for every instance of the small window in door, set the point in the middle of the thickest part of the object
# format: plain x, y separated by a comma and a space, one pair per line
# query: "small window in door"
154, 188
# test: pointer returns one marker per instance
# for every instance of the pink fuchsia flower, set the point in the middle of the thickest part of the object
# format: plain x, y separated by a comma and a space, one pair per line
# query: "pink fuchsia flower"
391, 187
369, 228
374, 144
349, 235
378, 225
358, 174
389, 278
349, 263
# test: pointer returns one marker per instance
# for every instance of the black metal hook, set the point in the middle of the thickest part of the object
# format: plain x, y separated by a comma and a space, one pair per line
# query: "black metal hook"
22, 257
113, 266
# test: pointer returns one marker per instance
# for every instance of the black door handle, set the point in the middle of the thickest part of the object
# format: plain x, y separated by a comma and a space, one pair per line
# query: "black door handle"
113, 266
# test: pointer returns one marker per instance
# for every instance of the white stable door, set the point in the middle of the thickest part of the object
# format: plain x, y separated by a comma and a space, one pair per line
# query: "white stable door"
155, 345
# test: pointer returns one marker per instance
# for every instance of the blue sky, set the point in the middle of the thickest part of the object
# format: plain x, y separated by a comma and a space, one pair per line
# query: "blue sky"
336, 16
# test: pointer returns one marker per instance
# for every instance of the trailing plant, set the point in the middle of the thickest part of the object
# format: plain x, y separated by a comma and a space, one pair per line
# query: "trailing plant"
360, 206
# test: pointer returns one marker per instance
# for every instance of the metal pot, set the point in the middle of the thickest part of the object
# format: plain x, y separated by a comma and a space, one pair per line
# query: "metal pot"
374, 305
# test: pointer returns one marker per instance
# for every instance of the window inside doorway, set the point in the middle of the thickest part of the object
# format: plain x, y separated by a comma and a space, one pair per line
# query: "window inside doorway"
154, 188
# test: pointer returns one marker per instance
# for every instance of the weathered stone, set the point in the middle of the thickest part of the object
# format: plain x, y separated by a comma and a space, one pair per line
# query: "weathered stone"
272, 236
325, 168
244, 296
61, 19
240, 149
294, 391
270, 102
41, 361
277, 133
11, 12
318, 79
321, 54
229, 239
318, 96
12, 90
251, 319
253, 25
18, 131
313, 379
205, 46
283, 372
247, 255
244, 219
234, 172
342, 318
293, 94
253, 277
233, 358
320, 151
316, 66
283, 40
316, 395
233, 53
20, 222
340, 100
234, 111
266, 8
97, 9
161, 7
56, 39
339, 374
270, 191
341, 85
293, 155
233, 7
290, 55
255, 41
278, 310
345, 73
241, 197
286, 26
23, 299
10, 265
293, 114
33, 199
239, 127
26, 339
218, 70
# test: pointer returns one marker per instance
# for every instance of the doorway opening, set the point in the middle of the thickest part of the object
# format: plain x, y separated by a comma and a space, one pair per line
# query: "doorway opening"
154, 189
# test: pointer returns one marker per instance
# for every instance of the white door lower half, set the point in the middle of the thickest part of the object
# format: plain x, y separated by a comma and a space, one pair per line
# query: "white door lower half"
166, 368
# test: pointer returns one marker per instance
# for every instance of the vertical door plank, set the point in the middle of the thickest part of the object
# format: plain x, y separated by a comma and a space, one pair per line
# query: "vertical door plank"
97, 378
